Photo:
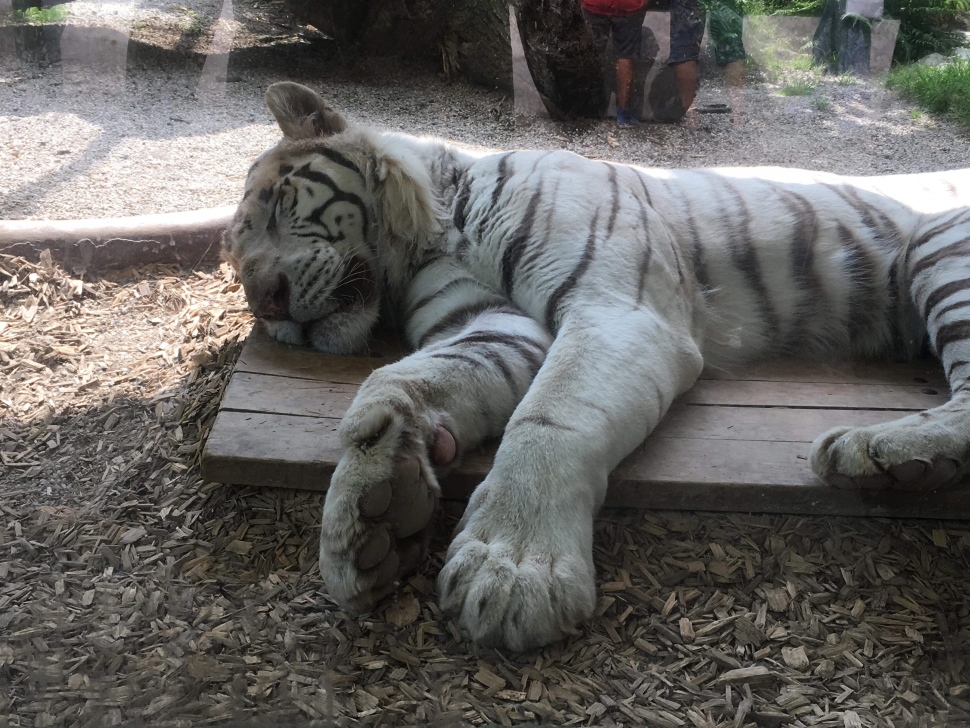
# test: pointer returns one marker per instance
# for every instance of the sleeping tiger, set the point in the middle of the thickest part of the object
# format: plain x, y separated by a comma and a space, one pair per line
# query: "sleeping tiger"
562, 304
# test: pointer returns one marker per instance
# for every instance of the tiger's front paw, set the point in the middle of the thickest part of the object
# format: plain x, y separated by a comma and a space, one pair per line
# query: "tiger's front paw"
515, 581
378, 511
286, 332
913, 453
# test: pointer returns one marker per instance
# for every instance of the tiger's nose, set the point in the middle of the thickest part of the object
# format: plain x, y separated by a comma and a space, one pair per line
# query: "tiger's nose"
275, 302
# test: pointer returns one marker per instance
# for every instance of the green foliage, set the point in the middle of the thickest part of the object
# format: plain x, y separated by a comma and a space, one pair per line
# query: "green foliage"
925, 26
194, 23
783, 7
801, 63
821, 103
797, 88
55, 14
943, 90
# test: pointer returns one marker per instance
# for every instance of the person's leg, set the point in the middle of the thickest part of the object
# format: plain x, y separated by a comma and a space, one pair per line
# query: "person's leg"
736, 75
599, 30
627, 35
624, 81
727, 26
687, 75
686, 32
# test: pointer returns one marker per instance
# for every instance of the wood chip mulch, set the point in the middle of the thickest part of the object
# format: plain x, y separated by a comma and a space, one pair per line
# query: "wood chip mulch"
133, 592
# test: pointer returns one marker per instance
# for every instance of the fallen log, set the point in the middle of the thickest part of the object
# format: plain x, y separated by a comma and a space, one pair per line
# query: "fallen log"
184, 238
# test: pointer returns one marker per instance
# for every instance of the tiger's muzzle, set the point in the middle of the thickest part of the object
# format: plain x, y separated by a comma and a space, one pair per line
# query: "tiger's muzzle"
273, 304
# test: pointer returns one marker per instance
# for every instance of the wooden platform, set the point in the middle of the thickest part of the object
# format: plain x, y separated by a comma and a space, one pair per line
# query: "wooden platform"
733, 443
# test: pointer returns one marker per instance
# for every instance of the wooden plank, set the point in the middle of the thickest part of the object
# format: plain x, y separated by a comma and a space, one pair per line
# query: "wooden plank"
925, 372
729, 444
662, 460
664, 473
250, 392
311, 398
815, 395
251, 448
772, 424
812, 498
262, 355
287, 396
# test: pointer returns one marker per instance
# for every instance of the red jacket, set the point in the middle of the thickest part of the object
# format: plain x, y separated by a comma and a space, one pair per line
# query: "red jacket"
614, 7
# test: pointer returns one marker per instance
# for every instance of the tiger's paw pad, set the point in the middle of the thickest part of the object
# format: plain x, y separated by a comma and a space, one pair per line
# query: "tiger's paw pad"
367, 547
884, 457
377, 518
404, 503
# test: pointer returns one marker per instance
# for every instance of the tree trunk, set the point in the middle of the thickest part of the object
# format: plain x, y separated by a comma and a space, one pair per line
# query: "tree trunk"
479, 30
567, 70
342, 20
841, 43
34, 44
468, 37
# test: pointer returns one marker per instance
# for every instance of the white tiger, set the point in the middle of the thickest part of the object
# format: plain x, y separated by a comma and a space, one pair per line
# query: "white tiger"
562, 304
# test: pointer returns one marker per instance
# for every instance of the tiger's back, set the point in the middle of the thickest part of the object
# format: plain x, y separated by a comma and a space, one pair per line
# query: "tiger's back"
774, 261
807, 263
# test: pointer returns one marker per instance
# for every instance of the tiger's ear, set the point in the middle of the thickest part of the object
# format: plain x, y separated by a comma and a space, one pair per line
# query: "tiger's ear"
302, 113
410, 211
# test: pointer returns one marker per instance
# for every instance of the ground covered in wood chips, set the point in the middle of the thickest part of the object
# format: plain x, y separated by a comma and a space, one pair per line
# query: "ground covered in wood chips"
133, 592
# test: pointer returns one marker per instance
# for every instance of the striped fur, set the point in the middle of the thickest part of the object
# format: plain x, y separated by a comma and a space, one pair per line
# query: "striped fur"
563, 303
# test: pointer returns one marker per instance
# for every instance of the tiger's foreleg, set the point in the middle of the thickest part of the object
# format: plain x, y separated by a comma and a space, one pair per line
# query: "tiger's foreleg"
520, 570
932, 448
478, 357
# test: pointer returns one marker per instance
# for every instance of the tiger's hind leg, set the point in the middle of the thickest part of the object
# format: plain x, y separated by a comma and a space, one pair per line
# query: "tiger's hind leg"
932, 448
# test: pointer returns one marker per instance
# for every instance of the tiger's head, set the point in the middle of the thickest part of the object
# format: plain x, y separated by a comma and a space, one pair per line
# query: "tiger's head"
323, 213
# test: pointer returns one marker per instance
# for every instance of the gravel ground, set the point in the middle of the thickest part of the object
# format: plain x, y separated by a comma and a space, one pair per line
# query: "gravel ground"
133, 592
126, 141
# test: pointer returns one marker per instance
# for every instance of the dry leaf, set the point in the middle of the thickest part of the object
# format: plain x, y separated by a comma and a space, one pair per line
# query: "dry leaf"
404, 610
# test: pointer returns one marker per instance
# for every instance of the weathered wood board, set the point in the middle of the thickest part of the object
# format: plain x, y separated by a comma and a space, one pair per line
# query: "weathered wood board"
738, 441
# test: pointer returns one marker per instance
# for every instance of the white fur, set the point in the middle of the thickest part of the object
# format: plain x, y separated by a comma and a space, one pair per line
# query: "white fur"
626, 283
